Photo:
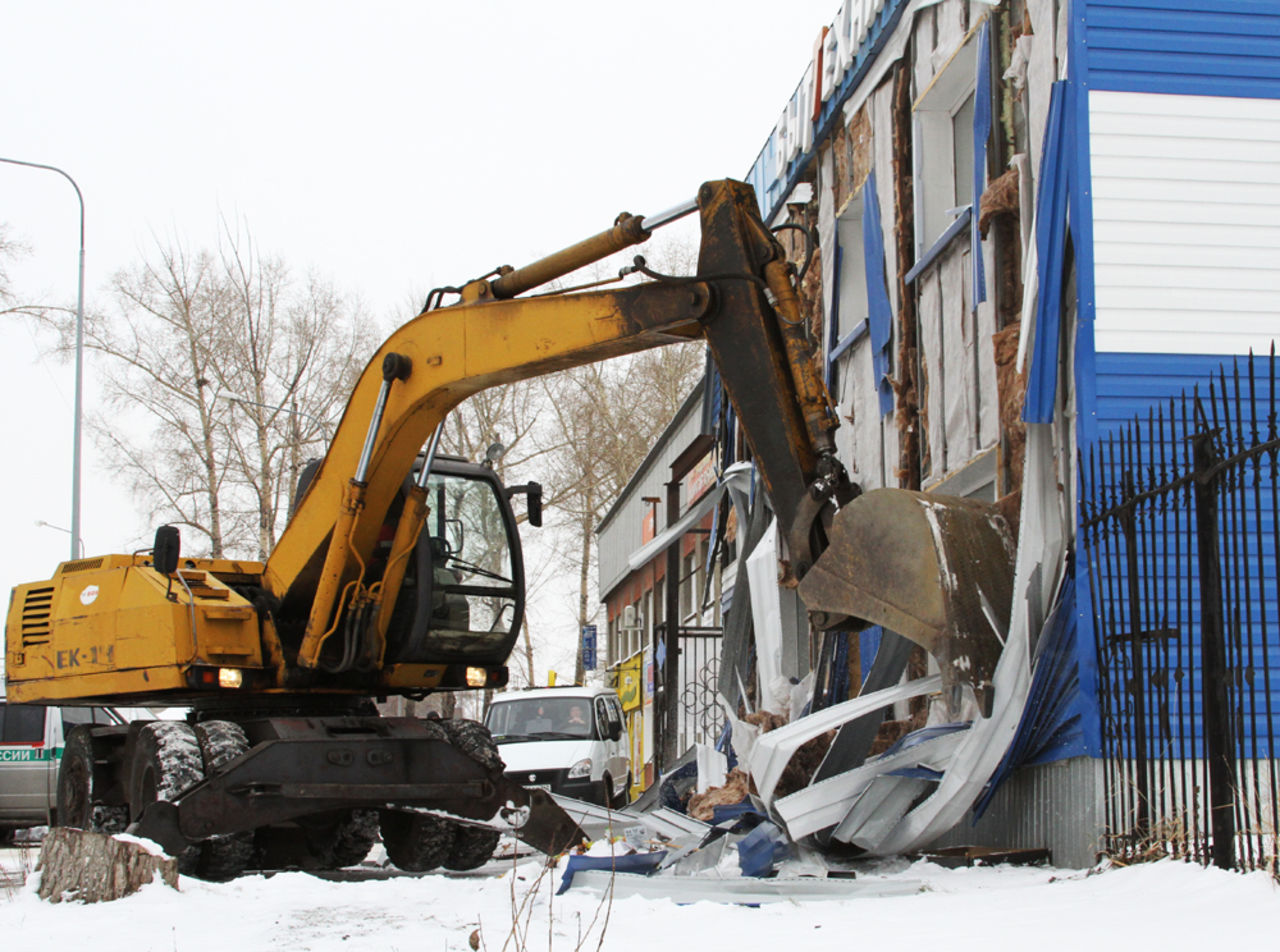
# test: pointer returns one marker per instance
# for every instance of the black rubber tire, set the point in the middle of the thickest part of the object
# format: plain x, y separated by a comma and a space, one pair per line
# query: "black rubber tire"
417, 842
472, 847
474, 740
222, 857
166, 763
353, 838
77, 803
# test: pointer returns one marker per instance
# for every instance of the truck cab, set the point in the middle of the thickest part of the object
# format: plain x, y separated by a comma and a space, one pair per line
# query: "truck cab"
568, 741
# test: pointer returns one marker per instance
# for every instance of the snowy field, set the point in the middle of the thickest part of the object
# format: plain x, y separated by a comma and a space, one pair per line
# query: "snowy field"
1161, 906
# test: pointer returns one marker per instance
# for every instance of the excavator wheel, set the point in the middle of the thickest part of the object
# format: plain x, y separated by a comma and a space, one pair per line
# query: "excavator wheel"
78, 802
417, 842
352, 839
222, 857
166, 763
473, 846
474, 740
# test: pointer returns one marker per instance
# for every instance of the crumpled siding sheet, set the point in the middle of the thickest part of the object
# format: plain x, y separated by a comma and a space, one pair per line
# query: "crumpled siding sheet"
781, 641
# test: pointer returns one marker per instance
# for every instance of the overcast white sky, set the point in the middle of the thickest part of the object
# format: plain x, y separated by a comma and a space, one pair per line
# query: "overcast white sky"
389, 146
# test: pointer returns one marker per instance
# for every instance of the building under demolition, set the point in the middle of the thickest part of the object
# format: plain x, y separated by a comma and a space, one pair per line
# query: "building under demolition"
1047, 245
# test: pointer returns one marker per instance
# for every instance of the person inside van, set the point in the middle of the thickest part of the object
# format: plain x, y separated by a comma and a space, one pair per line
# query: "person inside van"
576, 717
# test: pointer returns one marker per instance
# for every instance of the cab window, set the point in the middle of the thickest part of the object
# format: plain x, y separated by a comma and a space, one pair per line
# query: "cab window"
21, 723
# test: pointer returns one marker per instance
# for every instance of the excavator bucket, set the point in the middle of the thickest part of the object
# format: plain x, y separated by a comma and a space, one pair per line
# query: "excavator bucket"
937, 570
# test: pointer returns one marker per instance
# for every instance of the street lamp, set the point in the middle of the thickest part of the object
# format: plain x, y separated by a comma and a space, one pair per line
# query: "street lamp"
49, 525
77, 546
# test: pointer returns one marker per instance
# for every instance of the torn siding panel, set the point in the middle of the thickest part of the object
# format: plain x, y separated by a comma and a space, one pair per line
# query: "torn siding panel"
881, 108
925, 40
987, 425
865, 407
827, 234
957, 349
1042, 71
929, 321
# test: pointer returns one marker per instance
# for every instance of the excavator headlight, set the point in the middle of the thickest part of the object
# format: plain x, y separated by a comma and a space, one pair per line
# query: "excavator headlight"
477, 677
230, 677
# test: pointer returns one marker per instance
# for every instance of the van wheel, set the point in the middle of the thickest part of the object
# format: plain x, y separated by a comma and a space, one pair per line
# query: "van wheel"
166, 763
77, 797
222, 857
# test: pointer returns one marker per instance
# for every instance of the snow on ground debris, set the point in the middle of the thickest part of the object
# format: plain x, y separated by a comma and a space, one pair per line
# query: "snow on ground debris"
1164, 906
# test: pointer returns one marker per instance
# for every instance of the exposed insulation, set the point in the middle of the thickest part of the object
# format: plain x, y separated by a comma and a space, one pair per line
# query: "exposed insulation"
905, 387
702, 806
851, 156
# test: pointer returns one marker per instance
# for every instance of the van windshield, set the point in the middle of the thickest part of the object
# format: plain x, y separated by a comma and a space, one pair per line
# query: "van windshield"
534, 719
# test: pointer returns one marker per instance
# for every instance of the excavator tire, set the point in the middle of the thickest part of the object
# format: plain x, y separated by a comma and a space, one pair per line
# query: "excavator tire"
472, 846
474, 740
353, 838
417, 842
166, 763
78, 804
222, 857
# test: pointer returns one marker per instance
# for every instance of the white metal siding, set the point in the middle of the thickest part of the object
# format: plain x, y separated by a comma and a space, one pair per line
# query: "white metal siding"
1186, 206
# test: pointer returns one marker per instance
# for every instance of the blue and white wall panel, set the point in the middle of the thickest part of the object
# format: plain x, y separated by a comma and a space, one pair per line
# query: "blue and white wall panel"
1184, 155
1186, 226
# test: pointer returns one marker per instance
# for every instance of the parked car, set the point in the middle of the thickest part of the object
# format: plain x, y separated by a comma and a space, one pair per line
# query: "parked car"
31, 741
567, 740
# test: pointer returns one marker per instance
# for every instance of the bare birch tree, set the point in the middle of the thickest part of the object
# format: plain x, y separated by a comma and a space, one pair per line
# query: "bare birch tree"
234, 371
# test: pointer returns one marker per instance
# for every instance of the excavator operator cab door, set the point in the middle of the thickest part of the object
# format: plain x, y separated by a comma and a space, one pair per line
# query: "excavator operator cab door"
463, 600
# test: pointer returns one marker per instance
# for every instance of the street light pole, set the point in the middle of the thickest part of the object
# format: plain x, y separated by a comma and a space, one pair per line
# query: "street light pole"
76, 545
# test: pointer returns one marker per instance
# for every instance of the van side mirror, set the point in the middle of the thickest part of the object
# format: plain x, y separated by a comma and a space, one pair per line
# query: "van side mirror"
615, 730
167, 548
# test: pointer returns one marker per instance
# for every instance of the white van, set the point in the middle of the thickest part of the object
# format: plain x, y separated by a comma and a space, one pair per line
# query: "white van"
32, 737
567, 740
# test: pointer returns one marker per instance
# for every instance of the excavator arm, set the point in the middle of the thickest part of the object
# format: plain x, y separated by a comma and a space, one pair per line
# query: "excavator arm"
742, 301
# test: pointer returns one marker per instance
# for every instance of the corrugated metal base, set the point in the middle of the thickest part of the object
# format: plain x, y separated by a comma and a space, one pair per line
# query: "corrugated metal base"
1056, 806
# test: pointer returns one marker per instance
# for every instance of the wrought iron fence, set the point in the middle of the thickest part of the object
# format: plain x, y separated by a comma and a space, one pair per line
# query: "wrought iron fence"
1181, 530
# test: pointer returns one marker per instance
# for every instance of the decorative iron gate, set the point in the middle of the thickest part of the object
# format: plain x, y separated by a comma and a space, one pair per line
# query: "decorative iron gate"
1181, 533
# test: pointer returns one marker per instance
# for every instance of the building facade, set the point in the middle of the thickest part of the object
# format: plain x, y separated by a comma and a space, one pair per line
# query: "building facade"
1034, 219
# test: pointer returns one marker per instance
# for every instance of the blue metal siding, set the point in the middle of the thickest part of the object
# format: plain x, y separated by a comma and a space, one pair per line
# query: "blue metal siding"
1196, 47
1134, 385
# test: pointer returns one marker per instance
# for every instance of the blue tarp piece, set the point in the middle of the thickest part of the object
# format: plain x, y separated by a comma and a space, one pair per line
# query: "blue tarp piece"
761, 850
868, 645
981, 135
1052, 204
736, 817
918, 737
879, 311
643, 863
1052, 721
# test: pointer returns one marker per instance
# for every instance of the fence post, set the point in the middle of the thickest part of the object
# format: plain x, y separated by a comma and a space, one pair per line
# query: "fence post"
1138, 687
1213, 654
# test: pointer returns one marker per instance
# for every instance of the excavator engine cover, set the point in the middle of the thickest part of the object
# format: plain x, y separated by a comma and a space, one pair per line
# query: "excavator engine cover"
937, 570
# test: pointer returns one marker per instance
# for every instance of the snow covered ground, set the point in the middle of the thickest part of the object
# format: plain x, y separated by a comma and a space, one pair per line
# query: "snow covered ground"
1162, 906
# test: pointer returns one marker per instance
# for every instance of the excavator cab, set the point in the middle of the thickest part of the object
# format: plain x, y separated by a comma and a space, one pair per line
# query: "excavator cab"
462, 599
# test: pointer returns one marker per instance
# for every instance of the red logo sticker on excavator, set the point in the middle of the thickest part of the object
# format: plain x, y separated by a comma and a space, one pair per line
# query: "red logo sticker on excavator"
89, 595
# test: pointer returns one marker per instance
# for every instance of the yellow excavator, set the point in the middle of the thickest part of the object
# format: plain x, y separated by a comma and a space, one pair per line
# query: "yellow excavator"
400, 573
